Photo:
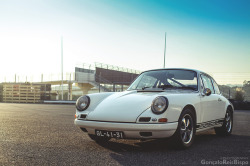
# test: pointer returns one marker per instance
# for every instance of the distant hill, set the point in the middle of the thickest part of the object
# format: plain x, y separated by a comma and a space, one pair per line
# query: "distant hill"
230, 89
234, 85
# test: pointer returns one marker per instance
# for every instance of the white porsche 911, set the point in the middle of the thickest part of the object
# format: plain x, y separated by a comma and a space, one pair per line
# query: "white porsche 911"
161, 103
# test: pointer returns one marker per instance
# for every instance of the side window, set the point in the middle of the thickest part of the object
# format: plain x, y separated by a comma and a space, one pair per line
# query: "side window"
207, 82
216, 88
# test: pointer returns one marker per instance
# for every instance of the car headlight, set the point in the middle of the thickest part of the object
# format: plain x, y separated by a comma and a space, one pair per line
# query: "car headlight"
82, 103
159, 105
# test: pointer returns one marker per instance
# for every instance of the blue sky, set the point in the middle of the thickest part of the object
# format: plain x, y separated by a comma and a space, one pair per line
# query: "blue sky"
213, 35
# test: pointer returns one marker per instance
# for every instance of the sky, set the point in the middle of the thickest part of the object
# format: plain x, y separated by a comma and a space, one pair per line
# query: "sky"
208, 35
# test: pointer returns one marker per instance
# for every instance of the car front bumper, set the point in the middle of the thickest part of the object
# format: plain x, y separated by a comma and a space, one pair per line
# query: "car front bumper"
130, 130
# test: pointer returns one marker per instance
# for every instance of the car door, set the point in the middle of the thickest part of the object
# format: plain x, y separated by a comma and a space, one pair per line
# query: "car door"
221, 104
209, 104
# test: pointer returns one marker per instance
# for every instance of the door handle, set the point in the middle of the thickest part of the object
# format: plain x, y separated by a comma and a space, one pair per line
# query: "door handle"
219, 99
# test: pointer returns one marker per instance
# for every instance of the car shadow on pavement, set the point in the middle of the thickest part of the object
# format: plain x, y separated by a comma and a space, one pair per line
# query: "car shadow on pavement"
160, 152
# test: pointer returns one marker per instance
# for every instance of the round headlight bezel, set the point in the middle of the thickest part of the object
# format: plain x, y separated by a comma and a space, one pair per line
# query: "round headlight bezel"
81, 100
163, 98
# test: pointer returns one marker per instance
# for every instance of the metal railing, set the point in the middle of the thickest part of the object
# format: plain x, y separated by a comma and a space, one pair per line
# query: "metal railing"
117, 68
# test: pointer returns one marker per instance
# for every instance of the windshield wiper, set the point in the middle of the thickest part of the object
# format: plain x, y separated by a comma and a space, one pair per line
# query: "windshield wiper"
174, 87
145, 87
187, 87
166, 86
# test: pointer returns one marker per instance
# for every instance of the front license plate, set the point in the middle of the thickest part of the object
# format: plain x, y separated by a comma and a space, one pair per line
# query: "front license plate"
110, 134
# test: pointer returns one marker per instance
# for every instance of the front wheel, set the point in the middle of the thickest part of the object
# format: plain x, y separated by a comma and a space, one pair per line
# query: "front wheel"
227, 126
184, 135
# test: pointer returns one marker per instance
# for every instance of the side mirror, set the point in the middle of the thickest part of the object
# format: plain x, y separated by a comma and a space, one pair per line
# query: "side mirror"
207, 92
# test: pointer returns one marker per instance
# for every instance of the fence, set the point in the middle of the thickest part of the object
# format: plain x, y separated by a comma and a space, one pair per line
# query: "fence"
24, 92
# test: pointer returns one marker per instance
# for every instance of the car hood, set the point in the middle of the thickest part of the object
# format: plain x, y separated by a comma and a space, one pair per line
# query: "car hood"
127, 106
122, 107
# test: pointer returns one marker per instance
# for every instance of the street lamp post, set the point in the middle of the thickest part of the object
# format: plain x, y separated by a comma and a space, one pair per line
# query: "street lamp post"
62, 64
164, 50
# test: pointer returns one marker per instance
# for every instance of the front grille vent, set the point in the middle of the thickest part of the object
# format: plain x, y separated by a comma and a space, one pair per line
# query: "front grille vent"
83, 116
144, 119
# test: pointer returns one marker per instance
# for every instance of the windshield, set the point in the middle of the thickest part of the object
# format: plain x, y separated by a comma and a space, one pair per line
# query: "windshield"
166, 79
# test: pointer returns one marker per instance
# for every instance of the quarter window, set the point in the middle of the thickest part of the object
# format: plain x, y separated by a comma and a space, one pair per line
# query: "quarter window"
207, 82
216, 87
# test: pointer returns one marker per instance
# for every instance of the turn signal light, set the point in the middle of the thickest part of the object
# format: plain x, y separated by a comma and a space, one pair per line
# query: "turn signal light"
75, 116
163, 120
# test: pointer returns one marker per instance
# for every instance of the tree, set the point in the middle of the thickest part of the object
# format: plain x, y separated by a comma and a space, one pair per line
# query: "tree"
246, 83
239, 95
246, 89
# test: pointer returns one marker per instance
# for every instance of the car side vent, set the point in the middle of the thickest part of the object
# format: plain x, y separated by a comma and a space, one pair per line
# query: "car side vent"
144, 119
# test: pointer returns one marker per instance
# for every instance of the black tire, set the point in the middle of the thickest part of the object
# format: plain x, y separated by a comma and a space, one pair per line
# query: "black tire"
227, 127
185, 132
99, 139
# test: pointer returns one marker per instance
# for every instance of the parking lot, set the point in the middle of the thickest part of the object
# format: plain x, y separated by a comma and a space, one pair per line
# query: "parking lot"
40, 134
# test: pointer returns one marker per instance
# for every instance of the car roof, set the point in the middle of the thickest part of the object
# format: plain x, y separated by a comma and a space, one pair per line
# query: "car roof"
198, 71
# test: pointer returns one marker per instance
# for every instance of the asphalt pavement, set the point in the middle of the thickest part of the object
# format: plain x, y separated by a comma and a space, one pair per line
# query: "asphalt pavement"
40, 134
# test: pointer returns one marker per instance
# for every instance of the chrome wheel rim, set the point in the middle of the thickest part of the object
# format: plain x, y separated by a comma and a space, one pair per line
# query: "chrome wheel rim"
228, 122
186, 129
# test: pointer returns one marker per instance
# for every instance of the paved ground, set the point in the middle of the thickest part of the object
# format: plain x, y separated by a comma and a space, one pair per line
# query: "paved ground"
34, 134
